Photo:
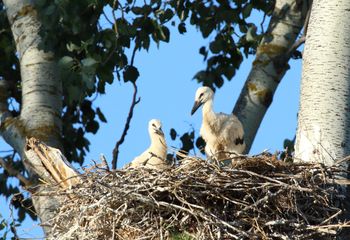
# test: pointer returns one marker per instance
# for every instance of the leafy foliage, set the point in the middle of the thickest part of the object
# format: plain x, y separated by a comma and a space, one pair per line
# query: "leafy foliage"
9, 63
288, 145
95, 42
10, 190
227, 23
189, 142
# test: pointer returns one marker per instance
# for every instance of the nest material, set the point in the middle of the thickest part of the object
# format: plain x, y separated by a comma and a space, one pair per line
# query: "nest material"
258, 198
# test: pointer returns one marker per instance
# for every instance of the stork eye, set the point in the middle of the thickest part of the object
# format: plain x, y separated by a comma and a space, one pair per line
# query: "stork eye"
153, 125
201, 95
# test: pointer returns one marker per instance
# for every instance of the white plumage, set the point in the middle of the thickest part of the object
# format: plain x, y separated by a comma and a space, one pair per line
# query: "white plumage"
223, 133
155, 156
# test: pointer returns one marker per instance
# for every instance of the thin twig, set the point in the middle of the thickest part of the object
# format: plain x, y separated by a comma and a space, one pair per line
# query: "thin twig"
261, 198
262, 23
126, 127
104, 161
106, 17
14, 172
302, 38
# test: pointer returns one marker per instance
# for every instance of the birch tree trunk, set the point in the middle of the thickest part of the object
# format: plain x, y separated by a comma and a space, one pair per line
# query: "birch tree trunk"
270, 64
323, 133
41, 94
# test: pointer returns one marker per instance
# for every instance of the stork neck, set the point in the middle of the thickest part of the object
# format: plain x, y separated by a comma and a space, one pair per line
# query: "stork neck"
157, 142
208, 111
158, 145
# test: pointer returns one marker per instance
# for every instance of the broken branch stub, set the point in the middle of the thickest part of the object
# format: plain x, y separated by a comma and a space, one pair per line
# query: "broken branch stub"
50, 164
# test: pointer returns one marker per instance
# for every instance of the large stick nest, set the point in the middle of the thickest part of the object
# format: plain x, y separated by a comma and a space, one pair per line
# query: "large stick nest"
258, 198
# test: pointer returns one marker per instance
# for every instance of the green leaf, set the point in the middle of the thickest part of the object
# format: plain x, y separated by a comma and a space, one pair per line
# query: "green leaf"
2, 224
40, 3
216, 46
251, 34
21, 214
247, 10
200, 144
100, 115
182, 28
66, 62
130, 74
187, 142
137, 10
229, 72
146, 42
173, 134
201, 76
92, 126
73, 47
74, 94
207, 28
166, 16
203, 52
50, 10
124, 28
89, 62
165, 34
105, 75
219, 81
89, 80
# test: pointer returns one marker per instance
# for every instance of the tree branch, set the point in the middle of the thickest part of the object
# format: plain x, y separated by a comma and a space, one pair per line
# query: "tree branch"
301, 40
270, 64
14, 172
126, 128
9, 126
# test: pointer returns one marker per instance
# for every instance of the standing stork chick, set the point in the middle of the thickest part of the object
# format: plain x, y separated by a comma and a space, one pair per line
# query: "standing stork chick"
223, 133
155, 156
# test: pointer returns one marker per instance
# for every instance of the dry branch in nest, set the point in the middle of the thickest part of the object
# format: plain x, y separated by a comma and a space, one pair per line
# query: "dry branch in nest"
258, 198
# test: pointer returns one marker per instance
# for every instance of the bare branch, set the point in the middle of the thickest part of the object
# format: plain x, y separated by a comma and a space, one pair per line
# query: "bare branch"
126, 128
10, 127
104, 162
133, 56
106, 17
307, 19
14, 172
301, 40
295, 46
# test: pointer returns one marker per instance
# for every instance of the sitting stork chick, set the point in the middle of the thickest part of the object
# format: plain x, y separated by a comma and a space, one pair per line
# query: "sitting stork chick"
155, 156
222, 133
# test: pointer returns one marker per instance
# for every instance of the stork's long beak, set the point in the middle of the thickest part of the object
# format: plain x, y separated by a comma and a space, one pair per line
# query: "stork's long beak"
196, 105
159, 132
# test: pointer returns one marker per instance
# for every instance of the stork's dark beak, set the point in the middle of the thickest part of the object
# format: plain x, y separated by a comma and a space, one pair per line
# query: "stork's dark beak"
159, 132
196, 105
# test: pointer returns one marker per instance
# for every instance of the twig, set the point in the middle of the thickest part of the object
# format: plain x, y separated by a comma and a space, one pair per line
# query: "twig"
302, 39
126, 127
14, 172
13, 223
345, 159
262, 23
108, 20
296, 45
104, 161
133, 55
203, 202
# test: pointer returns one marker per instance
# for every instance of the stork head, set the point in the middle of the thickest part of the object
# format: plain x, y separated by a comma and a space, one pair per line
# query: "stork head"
155, 127
203, 94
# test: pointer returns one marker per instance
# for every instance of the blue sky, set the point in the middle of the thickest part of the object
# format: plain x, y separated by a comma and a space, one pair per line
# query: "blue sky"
167, 92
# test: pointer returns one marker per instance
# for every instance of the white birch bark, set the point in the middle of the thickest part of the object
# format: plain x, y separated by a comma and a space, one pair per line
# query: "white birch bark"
9, 128
270, 65
324, 116
41, 94
41, 87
